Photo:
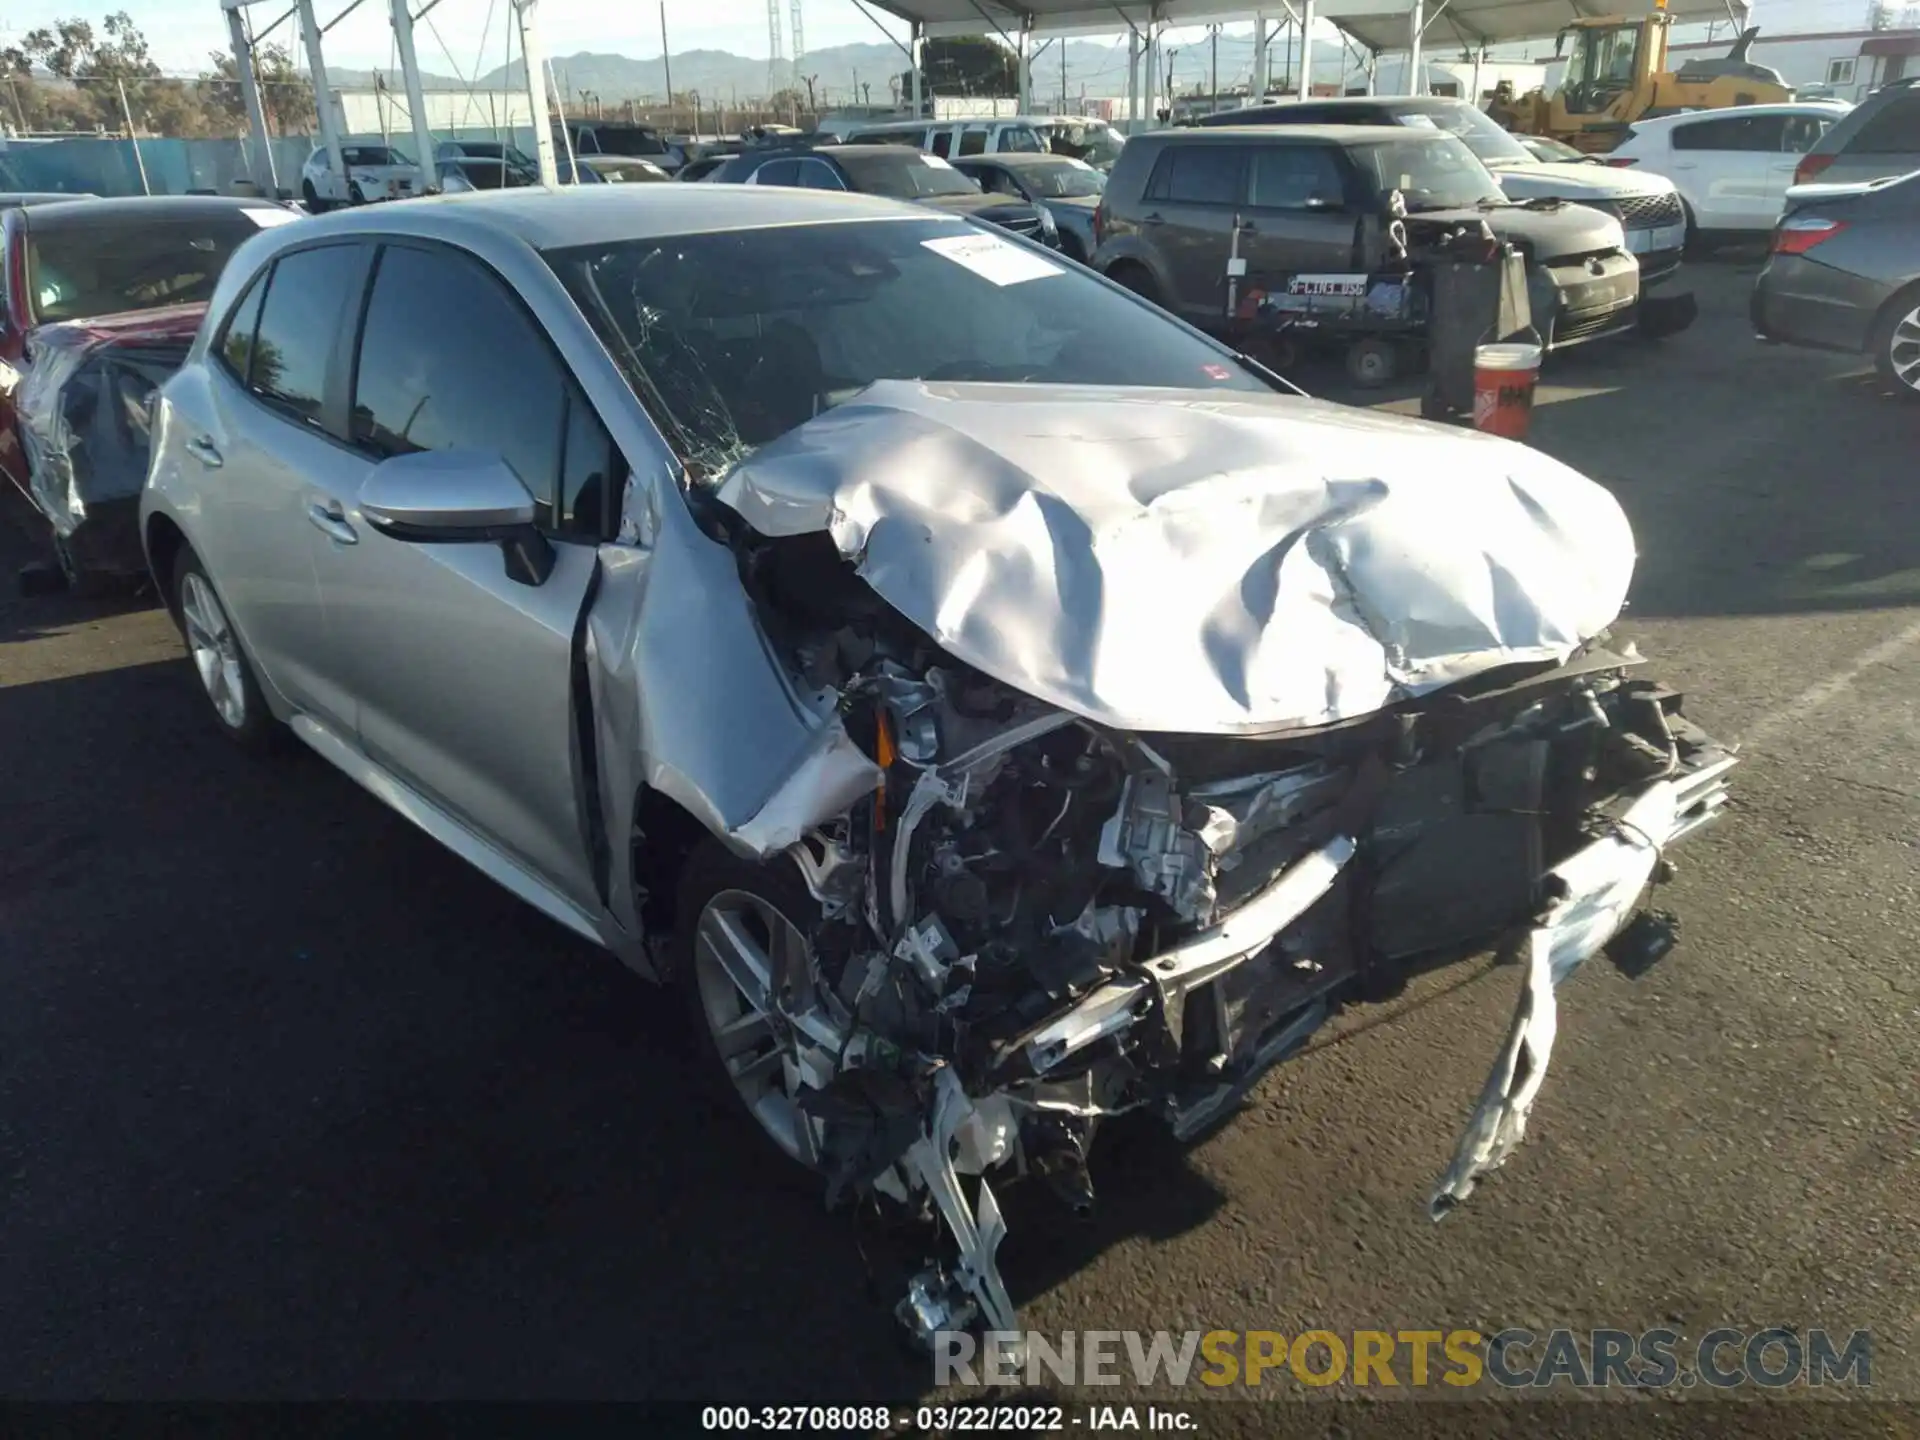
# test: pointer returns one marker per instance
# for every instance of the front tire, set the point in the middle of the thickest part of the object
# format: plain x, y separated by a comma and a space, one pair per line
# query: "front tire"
356, 194
220, 662
743, 962
315, 205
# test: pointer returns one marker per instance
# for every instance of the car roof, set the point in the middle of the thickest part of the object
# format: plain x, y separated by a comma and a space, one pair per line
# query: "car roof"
129, 209
1783, 107
606, 214
1011, 157
1296, 134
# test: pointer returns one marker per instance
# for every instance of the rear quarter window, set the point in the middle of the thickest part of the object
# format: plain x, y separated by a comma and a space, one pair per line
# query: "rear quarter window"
1894, 129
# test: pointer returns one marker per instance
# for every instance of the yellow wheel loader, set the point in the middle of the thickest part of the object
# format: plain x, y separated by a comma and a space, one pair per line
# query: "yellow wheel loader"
1617, 73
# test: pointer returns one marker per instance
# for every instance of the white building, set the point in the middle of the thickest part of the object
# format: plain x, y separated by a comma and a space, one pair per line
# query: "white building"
382, 111
1454, 77
1849, 64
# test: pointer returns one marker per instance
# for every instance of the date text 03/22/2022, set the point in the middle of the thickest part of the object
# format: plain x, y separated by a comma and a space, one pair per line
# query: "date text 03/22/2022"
946, 1419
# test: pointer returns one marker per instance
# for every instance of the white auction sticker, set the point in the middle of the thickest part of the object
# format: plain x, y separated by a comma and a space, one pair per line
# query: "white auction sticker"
267, 219
933, 162
993, 259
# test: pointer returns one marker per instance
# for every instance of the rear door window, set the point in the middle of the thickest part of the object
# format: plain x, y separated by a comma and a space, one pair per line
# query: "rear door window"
1733, 132
1198, 175
942, 143
306, 295
1286, 177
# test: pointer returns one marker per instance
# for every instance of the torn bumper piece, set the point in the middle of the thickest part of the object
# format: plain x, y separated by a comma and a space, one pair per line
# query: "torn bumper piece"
1600, 887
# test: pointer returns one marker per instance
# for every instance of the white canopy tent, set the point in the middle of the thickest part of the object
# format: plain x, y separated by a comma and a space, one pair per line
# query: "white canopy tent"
1377, 25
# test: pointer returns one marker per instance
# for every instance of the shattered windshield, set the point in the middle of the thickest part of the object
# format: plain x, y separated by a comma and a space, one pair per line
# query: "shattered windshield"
731, 339
82, 270
903, 174
1433, 174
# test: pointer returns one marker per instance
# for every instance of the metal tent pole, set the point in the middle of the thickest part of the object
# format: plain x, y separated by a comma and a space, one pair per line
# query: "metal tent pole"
533, 56
1416, 72
1305, 91
265, 178
322, 90
402, 20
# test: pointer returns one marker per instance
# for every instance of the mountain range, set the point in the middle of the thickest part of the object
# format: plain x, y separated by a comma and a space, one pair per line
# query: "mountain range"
1092, 69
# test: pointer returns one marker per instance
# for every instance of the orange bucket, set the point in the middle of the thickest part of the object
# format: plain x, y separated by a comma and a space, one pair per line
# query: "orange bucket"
1503, 381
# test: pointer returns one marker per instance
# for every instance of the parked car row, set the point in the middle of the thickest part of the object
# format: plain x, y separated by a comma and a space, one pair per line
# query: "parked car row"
99, 302
670, 555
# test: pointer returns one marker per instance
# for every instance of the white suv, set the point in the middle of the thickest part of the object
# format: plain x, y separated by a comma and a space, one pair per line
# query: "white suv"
1732, 167
373, 172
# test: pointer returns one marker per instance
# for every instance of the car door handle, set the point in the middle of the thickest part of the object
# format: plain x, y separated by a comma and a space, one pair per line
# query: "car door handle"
205, 451
331, 521
1154, 219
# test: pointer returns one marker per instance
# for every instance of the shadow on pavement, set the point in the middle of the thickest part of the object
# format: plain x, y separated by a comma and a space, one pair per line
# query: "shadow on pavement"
1693, 433
294, 1103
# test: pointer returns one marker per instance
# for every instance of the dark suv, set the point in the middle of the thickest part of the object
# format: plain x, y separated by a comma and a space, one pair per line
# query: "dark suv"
890, 170
1315, 200
1878, 137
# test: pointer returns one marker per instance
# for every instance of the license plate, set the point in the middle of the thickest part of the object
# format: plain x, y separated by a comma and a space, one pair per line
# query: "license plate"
1667, 237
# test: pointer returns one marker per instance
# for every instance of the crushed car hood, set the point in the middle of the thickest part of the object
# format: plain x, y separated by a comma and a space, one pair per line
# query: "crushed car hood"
1206, 563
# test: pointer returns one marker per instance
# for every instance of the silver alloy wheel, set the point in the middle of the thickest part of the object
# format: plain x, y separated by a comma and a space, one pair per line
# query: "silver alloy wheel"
215, 650
1903, 349
754, 970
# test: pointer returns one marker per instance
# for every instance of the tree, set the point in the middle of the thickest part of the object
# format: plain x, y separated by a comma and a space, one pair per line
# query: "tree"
98, 65
285, 94
965, 65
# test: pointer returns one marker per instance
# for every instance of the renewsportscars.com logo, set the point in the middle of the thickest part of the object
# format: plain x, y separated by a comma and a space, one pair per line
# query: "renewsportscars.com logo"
1512, 1359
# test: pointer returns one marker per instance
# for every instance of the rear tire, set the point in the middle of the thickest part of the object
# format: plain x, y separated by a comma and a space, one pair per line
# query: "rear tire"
1372, 362
219, 660
1138, 279
1896, 343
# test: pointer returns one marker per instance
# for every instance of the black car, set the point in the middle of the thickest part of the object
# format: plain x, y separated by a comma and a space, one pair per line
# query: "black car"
1845, 275
1276, 208
1063, 187
890, 170
641, 142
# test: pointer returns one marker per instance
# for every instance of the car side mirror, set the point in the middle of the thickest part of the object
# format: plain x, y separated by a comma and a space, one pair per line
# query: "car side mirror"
458, 497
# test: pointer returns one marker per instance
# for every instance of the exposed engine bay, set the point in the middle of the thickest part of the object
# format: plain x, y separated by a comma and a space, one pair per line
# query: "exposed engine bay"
1037, 921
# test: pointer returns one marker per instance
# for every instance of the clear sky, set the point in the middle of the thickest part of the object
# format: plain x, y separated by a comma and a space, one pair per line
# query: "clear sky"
181, 32
468, 37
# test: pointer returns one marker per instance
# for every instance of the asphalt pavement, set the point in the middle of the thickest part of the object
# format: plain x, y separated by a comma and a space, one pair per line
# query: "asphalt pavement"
295, 1104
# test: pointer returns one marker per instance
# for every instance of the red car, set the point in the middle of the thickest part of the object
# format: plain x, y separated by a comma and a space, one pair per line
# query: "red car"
102, 299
